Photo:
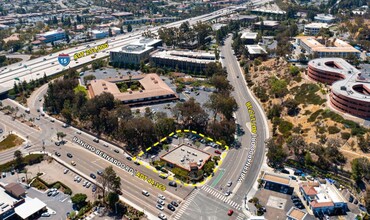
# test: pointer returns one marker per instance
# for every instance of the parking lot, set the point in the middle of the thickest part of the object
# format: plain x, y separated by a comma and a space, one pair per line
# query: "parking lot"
53, 171
277, 204
191, 140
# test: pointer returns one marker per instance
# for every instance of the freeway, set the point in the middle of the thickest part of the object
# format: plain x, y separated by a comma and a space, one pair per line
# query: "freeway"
48, 65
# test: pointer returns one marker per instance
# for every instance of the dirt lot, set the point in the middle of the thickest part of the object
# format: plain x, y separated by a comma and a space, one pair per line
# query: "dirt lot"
54, 172
311, 130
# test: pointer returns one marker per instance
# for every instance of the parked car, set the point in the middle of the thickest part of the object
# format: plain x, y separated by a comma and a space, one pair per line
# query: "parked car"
57, 154
285, 171
65, 171
161, 197
45, 214
96, 140
92, 176
117, 151
69, 155
217, 152
99, 172
174, 203
172, 183
73, 163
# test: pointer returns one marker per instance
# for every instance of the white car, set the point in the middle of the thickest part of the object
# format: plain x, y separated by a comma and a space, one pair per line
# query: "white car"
161, 202
227, 193
65, 171
159, 207
76, 178
229, 183
162, 216
161, 197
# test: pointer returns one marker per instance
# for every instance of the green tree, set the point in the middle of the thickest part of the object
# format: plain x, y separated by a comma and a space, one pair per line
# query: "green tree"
61, 135
109, 181
18, 159
112, 198
275, 155
79, 200
129, 28
360, 168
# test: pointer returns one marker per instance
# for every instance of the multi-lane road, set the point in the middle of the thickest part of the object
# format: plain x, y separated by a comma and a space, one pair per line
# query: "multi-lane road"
208, 200
49, 65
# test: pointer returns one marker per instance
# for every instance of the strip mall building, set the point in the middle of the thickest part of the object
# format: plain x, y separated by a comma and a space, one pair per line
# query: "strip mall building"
350, 89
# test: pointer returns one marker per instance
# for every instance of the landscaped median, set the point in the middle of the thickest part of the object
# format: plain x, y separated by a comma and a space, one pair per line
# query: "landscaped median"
172, 177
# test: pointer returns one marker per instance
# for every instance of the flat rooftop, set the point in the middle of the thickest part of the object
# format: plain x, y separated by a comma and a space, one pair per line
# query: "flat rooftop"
317, 25
183, 155
152, 84
339, 45
276, 178
188, 56
296, 214
353, 77
30, 207
255, 49
249, 35
6, 201
268, 23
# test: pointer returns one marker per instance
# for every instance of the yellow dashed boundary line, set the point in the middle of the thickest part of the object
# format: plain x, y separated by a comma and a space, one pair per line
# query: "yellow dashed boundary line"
222, 156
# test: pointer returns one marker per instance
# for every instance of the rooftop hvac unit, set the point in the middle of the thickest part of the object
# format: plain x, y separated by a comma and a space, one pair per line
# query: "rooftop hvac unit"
155, 81
343, 88
319, 64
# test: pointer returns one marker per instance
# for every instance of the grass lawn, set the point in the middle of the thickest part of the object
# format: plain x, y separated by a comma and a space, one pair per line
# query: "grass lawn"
80, 88
11, 141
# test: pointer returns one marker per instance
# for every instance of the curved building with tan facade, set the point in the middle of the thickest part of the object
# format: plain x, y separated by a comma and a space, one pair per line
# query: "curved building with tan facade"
350, 89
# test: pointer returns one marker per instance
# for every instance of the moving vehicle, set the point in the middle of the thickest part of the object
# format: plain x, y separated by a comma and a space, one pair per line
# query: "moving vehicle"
159, 207
174, 203
145, 193
161, 202
162, 216
96, 140
117, 151
230, 212
229, 183
57, 154
170, 207
217, 152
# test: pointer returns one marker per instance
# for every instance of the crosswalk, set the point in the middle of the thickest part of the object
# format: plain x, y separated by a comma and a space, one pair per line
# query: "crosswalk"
183, 207
220, 196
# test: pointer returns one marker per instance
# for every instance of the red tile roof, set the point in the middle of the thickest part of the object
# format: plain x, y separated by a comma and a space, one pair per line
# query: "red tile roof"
316, 204
310, 191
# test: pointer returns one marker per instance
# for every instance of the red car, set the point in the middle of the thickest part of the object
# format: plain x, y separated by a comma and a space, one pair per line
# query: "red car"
217, 152
230, 212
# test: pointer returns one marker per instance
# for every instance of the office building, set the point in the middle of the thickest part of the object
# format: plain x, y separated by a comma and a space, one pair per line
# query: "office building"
52, 36
134, 53
266, 25
324, 18
99, 34
186, 157
313, 29
152, 89
183, 60
255, 51
350, 89
249, 37
338, 47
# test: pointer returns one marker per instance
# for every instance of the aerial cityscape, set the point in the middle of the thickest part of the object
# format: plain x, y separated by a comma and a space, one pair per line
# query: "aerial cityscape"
185, 110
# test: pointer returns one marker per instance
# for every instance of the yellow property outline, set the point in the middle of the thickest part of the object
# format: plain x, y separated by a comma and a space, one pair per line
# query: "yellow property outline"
222, 157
